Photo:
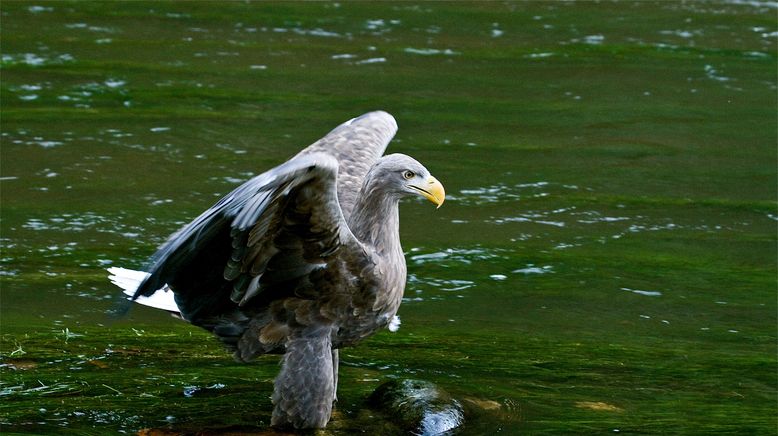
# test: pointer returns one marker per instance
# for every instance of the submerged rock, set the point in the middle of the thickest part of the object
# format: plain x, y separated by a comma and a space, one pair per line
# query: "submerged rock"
420, 407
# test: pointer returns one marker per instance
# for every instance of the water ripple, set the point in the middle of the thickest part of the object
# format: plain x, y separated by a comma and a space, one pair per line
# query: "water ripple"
81, 222
456, 255
34, 59
430, 51
500, 193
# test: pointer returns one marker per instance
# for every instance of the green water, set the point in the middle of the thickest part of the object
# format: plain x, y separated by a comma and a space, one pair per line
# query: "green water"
605, 261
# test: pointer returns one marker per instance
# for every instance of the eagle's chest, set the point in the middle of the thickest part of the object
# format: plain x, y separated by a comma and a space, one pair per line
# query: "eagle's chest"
371, 299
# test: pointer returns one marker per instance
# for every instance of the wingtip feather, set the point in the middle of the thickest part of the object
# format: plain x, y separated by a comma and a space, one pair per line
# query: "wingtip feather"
129, 280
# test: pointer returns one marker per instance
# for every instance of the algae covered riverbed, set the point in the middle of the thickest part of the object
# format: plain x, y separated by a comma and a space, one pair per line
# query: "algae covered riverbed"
605, 260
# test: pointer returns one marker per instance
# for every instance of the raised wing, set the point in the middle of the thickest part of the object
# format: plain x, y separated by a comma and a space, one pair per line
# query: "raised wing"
274, 229
357, 144
260, 243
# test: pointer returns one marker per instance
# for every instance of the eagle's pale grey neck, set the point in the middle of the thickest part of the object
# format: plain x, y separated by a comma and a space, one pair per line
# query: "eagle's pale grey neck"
375, 219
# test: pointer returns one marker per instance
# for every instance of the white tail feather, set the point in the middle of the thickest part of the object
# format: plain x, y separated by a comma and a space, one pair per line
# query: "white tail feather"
394, 324
129, 280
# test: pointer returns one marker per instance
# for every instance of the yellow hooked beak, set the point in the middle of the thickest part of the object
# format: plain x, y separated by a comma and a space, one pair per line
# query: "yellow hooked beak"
432, 190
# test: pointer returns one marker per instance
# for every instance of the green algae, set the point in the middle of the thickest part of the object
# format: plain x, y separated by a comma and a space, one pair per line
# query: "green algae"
606, 259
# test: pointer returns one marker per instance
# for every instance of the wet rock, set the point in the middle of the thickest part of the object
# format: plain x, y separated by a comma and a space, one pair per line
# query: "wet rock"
420, 407
480, 404
227, 431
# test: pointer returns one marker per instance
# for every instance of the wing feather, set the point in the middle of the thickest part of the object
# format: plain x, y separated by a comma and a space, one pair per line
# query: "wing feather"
263, 240
357, 144
275, 228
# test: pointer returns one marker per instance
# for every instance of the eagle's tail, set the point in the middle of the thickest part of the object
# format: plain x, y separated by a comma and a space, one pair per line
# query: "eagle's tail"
305, 388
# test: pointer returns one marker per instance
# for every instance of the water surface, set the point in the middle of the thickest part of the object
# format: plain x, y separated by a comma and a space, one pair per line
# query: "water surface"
605, 262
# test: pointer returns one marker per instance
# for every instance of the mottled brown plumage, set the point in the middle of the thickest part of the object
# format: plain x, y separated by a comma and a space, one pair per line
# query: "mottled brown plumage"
302, 260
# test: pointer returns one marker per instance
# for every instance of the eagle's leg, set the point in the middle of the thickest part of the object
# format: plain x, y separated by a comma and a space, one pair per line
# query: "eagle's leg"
304, 388
335, 363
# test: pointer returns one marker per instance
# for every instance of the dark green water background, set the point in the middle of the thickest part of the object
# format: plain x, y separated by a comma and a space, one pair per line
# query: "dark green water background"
605, 261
